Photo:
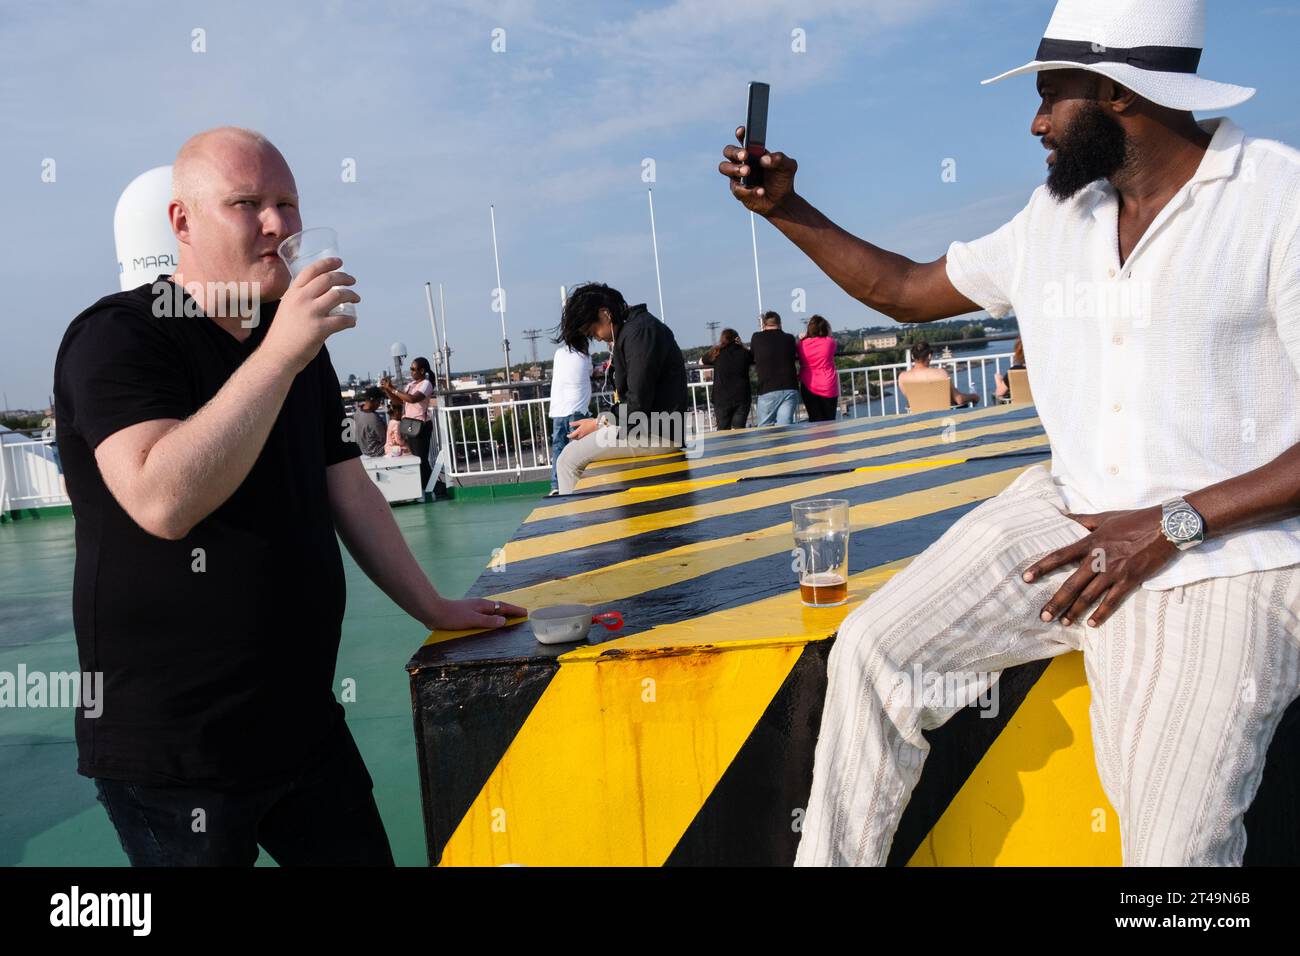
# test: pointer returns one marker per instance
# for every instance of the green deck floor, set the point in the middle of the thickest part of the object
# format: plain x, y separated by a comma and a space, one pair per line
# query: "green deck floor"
48, 813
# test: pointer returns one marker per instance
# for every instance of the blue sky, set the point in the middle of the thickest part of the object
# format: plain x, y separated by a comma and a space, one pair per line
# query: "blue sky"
553, 131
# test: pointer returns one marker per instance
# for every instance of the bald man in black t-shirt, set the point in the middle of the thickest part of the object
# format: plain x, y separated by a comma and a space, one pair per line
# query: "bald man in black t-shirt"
203, 448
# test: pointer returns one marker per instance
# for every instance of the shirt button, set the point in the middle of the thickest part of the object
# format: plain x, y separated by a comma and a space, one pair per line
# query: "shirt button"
1118, 339
1111, 273
1113, 470
1116, 407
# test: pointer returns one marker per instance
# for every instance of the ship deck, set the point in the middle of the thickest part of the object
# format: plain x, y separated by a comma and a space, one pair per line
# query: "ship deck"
48, 813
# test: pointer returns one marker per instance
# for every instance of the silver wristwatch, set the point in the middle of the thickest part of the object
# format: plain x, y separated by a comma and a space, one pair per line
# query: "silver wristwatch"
1182, 524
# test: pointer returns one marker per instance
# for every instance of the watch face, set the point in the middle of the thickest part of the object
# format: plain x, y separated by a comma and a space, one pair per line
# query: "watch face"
1182, 525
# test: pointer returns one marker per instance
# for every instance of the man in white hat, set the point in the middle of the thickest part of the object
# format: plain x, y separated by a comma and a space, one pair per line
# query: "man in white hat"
1160, 255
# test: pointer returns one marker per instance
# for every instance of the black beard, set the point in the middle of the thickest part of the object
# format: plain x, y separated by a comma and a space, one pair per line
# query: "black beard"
1094, 147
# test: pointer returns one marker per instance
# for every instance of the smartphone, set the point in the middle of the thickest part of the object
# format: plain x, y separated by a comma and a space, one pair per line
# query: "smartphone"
755, 133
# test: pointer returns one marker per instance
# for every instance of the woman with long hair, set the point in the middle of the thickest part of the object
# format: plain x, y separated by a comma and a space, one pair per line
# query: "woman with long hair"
819, 384
730, 361
417, 425
649, 382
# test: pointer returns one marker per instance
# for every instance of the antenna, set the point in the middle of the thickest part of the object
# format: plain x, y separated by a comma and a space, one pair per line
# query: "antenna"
398, 352
654, 241
713, 328
505, 342
437, 347
446, 346
532, 335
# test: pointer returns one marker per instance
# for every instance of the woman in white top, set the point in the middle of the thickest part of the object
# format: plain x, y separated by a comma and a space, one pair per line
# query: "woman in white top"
416, 409
570, 400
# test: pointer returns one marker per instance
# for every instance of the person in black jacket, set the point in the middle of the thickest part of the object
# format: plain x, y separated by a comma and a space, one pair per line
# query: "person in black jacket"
731, 361
650, 410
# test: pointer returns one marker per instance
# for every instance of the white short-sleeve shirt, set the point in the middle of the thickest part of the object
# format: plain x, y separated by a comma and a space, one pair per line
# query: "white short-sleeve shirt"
1176, 369
570, 382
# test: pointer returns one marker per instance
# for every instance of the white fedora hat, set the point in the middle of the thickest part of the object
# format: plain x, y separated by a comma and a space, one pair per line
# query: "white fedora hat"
1153, 47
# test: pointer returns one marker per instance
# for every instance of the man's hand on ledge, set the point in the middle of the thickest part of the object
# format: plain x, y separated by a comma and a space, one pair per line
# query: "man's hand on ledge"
1124, 549
470, 613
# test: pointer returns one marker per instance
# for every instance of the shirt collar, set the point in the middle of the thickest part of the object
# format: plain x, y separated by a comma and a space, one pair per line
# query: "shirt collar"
1220, 161
266, 312
1224, 152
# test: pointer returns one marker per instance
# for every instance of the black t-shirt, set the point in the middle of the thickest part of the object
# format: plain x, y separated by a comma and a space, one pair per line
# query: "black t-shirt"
731, 376
774, 357
218, 650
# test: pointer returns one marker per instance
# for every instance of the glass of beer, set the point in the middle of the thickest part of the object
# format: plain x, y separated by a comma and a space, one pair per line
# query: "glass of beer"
821, 540
312, 245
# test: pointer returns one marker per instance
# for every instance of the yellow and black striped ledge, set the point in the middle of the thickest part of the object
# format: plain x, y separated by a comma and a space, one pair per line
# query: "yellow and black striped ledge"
687, 737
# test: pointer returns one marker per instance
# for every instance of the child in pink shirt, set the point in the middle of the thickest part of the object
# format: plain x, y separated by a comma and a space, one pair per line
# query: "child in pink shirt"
394, 444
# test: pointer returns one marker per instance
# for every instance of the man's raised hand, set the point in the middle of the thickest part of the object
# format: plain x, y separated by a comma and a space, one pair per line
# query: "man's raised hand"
302, 320
778, 177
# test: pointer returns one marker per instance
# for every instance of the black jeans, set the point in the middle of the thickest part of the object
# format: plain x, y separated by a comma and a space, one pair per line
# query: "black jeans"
326, 816
419, 444
821, 408
731, 416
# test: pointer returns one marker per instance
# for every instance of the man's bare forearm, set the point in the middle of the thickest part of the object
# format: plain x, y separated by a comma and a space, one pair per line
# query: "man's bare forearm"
195, 467
872, 275
365, 522
1269, 493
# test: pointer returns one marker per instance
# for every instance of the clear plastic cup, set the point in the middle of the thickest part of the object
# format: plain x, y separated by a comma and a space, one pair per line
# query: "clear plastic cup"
312, 245
821, 540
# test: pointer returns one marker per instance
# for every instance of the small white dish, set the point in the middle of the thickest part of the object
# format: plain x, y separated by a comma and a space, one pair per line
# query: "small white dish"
566, 623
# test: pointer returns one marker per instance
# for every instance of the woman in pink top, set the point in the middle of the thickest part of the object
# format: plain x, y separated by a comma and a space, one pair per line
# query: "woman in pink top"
416, 408
818, 382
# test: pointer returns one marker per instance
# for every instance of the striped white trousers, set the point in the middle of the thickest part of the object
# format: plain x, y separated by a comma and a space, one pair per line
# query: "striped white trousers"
1188, 685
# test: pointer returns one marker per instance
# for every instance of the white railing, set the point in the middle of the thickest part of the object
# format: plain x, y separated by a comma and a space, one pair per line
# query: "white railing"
974, 374
30, 476
496, 437
515, 437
